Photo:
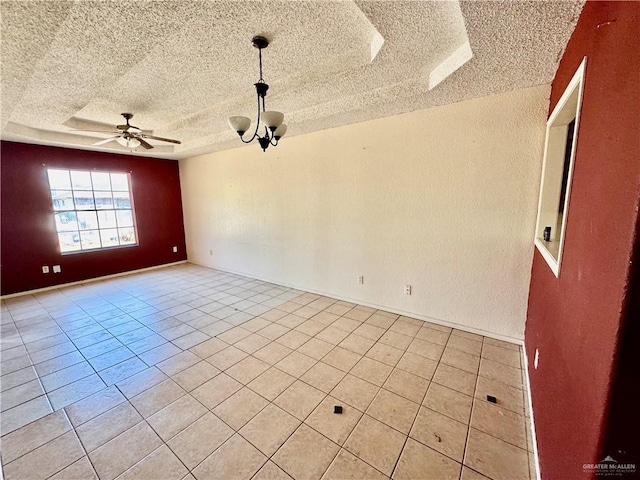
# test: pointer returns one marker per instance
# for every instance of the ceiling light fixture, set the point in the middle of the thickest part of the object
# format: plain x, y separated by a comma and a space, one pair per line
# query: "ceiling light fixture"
274, 129
128, 142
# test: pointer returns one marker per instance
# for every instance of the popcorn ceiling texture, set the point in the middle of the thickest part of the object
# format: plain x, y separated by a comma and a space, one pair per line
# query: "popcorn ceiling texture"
183, 67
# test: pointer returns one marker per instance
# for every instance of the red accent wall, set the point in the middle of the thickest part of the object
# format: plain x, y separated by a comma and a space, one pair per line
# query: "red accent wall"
575, 320
28, 232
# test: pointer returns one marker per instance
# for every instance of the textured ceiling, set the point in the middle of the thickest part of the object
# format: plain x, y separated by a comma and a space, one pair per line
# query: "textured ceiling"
182, 67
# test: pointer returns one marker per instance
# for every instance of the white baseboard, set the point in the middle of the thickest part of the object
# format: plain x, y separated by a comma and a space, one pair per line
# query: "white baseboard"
530, 402
89, 280
444, 323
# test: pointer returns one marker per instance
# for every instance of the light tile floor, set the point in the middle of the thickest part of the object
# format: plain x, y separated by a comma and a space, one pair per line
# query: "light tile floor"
187, 372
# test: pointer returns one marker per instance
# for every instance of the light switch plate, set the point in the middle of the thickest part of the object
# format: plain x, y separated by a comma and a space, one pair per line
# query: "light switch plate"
56, 269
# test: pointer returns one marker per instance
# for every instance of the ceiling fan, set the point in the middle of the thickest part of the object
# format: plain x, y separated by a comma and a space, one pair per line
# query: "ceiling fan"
130, 136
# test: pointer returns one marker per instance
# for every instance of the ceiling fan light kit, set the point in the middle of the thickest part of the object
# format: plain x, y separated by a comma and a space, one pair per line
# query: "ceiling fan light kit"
274, 129
130, 136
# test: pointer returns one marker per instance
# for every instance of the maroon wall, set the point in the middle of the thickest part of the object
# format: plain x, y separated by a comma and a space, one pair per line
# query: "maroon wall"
575, 320
28, 231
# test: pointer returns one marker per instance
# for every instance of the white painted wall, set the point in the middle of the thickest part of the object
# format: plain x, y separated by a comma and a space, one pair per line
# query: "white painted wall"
443, 199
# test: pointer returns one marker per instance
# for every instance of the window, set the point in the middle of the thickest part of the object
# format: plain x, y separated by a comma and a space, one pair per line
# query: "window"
557, 170
92, 210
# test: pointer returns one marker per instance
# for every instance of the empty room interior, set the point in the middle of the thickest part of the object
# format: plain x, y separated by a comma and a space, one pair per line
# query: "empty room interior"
320, 240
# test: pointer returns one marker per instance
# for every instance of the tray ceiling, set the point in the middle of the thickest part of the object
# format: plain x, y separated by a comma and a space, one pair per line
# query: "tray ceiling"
182, 67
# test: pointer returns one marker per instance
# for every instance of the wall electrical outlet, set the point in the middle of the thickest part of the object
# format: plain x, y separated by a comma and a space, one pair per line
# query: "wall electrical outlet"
407, 289
45, 269
175, 249
57, 269
360, 279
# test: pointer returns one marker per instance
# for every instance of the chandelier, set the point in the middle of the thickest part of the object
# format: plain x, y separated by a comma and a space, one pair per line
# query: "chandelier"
274, 129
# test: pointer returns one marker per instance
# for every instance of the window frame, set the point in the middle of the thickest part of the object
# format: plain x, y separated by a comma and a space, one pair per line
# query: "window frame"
94, 208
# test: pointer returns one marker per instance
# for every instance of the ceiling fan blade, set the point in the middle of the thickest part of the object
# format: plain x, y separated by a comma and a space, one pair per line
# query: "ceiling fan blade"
95, 131
152, 137
102, 142
146, 145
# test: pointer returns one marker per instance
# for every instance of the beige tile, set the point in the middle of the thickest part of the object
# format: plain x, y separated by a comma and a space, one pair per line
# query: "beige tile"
427, 349
270, 471
357, 314
500, 423
501, 344
465, 345
322, 376
176, 417
348, 466
307, 312
240, 407
455, 379
336, 427
140, 382
34, 435
357, 344
273, 314
227, 358
416, 460
299, 399
256, 324
501, 373
161, 463
306, 454
310, 327
315, 348
293, 339
208, 348
326, 318
396, 339
101, 429
463, 361
417, 365
124, 451
23, 414
21, 394
45, 460
433, 335
296, 364
469, 335
216, 390
200, 439
342, 359
332, 335
237, 458
291, 321
80, 469
407, 385
468, 474
372, 371
156, 398
376, 443
234, 335
369, 331
501, 355
381, 321
247, 369
178, 363
195, 375
404, 327
356, 392
273, 331
441, 433
338, 309
271, 383
252, 343
494, 458
449, 402
393, 410
272, 353
346, 324
269, 429
385, 354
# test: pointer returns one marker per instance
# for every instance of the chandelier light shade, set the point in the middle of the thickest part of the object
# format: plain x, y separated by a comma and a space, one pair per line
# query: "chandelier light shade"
128, 142
274, 129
